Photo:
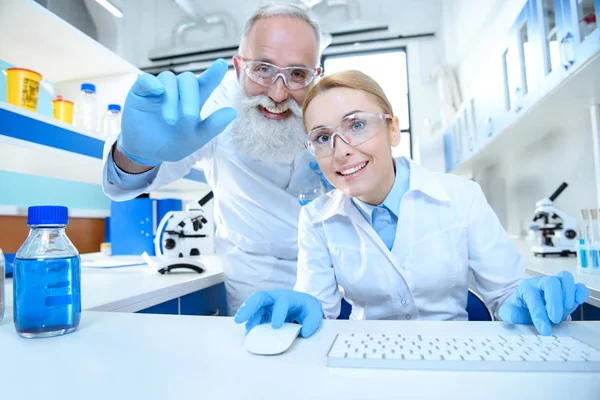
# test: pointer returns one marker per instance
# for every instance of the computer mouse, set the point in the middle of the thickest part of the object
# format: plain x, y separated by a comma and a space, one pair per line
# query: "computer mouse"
264, 340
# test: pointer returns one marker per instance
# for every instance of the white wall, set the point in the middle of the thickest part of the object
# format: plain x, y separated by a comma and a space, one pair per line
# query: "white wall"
475, 34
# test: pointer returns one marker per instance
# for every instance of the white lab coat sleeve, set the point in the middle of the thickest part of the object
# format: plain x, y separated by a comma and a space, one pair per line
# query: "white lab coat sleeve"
496, 265
120, 189
315, 273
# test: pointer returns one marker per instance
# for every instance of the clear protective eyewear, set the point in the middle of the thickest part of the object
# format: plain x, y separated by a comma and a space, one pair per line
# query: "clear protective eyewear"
266, 74
354, 129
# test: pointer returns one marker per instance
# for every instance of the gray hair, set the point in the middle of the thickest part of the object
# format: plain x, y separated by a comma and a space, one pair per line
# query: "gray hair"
281, 10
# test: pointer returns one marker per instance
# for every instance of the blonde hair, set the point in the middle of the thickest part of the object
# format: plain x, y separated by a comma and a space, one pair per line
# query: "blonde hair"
352, 80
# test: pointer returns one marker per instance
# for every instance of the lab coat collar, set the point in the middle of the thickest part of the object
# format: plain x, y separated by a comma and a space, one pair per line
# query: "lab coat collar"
421, 180
426, 182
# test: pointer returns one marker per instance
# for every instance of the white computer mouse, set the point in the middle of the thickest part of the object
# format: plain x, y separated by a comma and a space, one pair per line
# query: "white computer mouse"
265, 340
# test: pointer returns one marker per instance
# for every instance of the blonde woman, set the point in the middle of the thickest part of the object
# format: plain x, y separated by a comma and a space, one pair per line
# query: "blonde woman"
400, 240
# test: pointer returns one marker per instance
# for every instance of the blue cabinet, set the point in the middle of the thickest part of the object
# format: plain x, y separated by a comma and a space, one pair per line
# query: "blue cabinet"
208, 302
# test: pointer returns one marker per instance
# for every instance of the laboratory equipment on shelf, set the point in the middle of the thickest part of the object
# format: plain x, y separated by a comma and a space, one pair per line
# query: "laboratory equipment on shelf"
526, 353
111, 125
555, 231
46, 287
62, 110
183, 235
22, 87
86, 108
2, 287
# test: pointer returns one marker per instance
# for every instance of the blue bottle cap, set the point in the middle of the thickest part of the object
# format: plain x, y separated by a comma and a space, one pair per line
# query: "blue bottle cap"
114, 107
88, 87
47, 215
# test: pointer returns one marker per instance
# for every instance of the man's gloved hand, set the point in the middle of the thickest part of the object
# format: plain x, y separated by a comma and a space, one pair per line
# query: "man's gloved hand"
315, 167
279, 306
161, 117
544, 300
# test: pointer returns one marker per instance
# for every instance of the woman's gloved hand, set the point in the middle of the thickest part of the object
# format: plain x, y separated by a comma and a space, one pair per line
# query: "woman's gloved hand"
544, 300
161, 117
279, 306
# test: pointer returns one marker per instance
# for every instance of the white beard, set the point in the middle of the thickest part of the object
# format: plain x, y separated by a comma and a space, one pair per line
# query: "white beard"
260, 138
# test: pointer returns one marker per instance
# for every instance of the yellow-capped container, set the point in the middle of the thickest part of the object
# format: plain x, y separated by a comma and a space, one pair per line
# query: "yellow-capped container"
22, 87
62, 110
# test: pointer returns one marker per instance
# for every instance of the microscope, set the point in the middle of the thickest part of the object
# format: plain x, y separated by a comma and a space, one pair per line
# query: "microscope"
555, 231
183, 236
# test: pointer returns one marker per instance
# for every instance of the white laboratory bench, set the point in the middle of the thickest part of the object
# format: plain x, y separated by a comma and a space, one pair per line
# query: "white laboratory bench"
149, 356
131, 289
537, 266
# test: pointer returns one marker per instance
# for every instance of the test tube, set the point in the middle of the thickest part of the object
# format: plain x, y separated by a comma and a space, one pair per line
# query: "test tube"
596, 216
583, 261
585, 257
593, 243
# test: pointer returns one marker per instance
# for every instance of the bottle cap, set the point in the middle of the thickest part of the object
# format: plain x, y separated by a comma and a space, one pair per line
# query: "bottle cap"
88, 87
47, 215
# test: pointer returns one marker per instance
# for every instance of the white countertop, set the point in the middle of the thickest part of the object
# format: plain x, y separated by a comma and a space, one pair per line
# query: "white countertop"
131, 289
538, 266
144, 356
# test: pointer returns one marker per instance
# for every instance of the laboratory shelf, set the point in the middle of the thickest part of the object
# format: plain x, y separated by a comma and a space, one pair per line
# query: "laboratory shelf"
30, 128
33, 37
570, 98
24, 129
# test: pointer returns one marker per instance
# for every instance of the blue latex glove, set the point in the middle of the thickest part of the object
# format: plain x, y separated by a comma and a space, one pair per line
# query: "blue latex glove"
161, 117
279, 306
544, 300
315, 167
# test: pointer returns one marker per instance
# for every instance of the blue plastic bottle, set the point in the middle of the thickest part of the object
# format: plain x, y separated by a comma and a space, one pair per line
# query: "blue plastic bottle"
47, 296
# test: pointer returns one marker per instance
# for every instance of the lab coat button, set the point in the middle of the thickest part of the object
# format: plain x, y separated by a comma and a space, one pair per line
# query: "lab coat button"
404, 303
408, 317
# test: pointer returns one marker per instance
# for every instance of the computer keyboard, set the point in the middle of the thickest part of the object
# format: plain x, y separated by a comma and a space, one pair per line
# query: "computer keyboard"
490, 353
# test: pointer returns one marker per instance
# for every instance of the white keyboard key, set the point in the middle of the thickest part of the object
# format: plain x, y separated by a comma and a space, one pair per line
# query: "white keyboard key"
393, 356
512, 357
533, 358
355, 355
452, 357
573, 358
554, 358
432, 357
472, 357
412, 356
492, 357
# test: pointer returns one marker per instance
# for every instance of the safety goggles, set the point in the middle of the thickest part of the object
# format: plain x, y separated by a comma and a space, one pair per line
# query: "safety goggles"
354, 129
265, 74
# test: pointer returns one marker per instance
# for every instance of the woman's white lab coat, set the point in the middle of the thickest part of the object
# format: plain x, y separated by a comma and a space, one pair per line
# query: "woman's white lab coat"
446, 232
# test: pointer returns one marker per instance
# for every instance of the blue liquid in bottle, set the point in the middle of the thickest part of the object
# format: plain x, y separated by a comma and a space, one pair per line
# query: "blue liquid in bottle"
46, 288
47, 296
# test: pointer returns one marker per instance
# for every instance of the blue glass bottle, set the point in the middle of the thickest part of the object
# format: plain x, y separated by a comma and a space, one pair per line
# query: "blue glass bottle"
47, 295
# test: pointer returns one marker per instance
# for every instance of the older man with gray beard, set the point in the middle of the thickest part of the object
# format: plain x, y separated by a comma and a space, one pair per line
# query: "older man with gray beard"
256, 167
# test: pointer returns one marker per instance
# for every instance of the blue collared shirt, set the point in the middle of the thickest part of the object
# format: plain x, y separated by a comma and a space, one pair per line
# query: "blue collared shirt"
384, 217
